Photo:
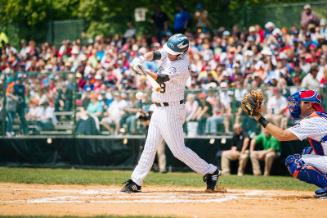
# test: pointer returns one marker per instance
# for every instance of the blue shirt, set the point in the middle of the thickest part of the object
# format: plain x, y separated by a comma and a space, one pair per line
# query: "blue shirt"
180, 19
94, 108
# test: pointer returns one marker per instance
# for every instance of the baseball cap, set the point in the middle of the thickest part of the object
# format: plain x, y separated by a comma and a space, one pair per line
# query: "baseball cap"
269, 25
251, 29
307, 6
226, 33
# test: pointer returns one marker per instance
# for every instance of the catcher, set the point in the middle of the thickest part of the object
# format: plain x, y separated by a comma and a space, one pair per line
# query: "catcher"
311, 165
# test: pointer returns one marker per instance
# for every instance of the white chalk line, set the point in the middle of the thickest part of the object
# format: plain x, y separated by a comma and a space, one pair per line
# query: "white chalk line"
109, 196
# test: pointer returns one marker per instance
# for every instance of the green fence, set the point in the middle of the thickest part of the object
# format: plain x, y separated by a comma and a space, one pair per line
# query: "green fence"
282, 14
58, 31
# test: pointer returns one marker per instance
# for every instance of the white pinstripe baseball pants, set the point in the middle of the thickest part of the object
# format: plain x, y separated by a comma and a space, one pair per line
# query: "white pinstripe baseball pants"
167, 124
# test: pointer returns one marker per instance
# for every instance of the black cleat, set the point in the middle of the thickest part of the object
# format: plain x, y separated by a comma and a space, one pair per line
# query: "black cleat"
130, 187
211, 180
321, 193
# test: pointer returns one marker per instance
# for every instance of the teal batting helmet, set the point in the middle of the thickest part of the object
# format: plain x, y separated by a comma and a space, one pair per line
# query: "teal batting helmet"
177, 44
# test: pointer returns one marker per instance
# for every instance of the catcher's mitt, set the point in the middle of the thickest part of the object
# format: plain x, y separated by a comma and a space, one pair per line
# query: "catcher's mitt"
252, 102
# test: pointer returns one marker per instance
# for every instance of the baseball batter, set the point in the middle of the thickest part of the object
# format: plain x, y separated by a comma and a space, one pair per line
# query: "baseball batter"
169, 115
311, 166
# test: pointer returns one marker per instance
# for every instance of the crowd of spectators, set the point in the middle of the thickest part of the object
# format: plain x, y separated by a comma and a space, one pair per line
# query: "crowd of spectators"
223, 64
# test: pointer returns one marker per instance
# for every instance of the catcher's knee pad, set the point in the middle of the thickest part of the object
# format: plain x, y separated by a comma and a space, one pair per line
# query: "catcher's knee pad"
304, 172
294, 164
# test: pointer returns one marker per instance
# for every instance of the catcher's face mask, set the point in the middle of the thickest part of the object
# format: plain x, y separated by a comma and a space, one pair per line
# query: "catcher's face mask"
294, 102
294, 105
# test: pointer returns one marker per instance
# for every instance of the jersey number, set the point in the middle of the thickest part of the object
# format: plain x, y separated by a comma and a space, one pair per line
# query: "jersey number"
162, 87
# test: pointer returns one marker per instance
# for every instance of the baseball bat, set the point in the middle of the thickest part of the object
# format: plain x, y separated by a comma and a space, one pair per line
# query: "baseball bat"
153, 83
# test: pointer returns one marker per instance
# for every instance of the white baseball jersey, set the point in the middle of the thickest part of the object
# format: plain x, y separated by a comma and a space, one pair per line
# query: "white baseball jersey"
167, 122
178, 72
314, 128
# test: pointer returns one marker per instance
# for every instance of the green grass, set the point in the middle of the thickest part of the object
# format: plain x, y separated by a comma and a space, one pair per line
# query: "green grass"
112, 177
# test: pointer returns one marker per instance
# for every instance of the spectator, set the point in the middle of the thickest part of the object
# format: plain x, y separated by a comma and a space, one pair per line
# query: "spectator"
130, 32
95, 108
239, 93
323, 28
114, 113
181, 20
34, 111
64, 99
219, 116
11, 108
191, 107
204, 111
271, 148
308, 17
238, 151
226, 100
277, 108
85, 124
269, 27
46, 119
310, 80
19, 93
131, 117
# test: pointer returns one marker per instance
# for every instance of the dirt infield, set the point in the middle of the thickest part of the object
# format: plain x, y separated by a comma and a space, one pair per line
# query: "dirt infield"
25, 199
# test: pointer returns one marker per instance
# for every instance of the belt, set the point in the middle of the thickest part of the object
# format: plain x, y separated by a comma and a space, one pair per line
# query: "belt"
166, 104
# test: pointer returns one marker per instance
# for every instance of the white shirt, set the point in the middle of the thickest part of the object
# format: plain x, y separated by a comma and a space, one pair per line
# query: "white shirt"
275, 105
178, 73
191, 108
116, 109
34, 111
225, 98
239, 94
313, 127
47, 114
309, 82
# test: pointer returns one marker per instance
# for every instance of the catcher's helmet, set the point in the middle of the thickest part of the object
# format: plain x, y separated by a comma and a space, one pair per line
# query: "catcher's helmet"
177, 44
294, 102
